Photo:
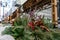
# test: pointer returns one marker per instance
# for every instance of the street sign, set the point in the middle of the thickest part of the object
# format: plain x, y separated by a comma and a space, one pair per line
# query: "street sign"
4, 4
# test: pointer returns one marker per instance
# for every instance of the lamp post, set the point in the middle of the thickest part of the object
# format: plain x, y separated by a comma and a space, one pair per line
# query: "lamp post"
4, 4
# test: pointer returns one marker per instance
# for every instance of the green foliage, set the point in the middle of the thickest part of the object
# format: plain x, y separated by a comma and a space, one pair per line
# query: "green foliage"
47, 22
21, 21
8, 30
21, 32
18, 22
14, 31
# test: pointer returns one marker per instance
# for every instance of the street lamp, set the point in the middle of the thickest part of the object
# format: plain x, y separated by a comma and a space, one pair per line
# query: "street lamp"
4, 4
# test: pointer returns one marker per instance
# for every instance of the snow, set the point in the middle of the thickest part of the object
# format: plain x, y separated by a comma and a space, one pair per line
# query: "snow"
5, 37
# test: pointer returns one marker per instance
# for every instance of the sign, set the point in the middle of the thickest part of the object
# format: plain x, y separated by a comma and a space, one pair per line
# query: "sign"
4, 4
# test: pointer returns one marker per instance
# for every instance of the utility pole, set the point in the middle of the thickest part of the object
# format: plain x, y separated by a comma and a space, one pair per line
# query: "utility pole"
54, 13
